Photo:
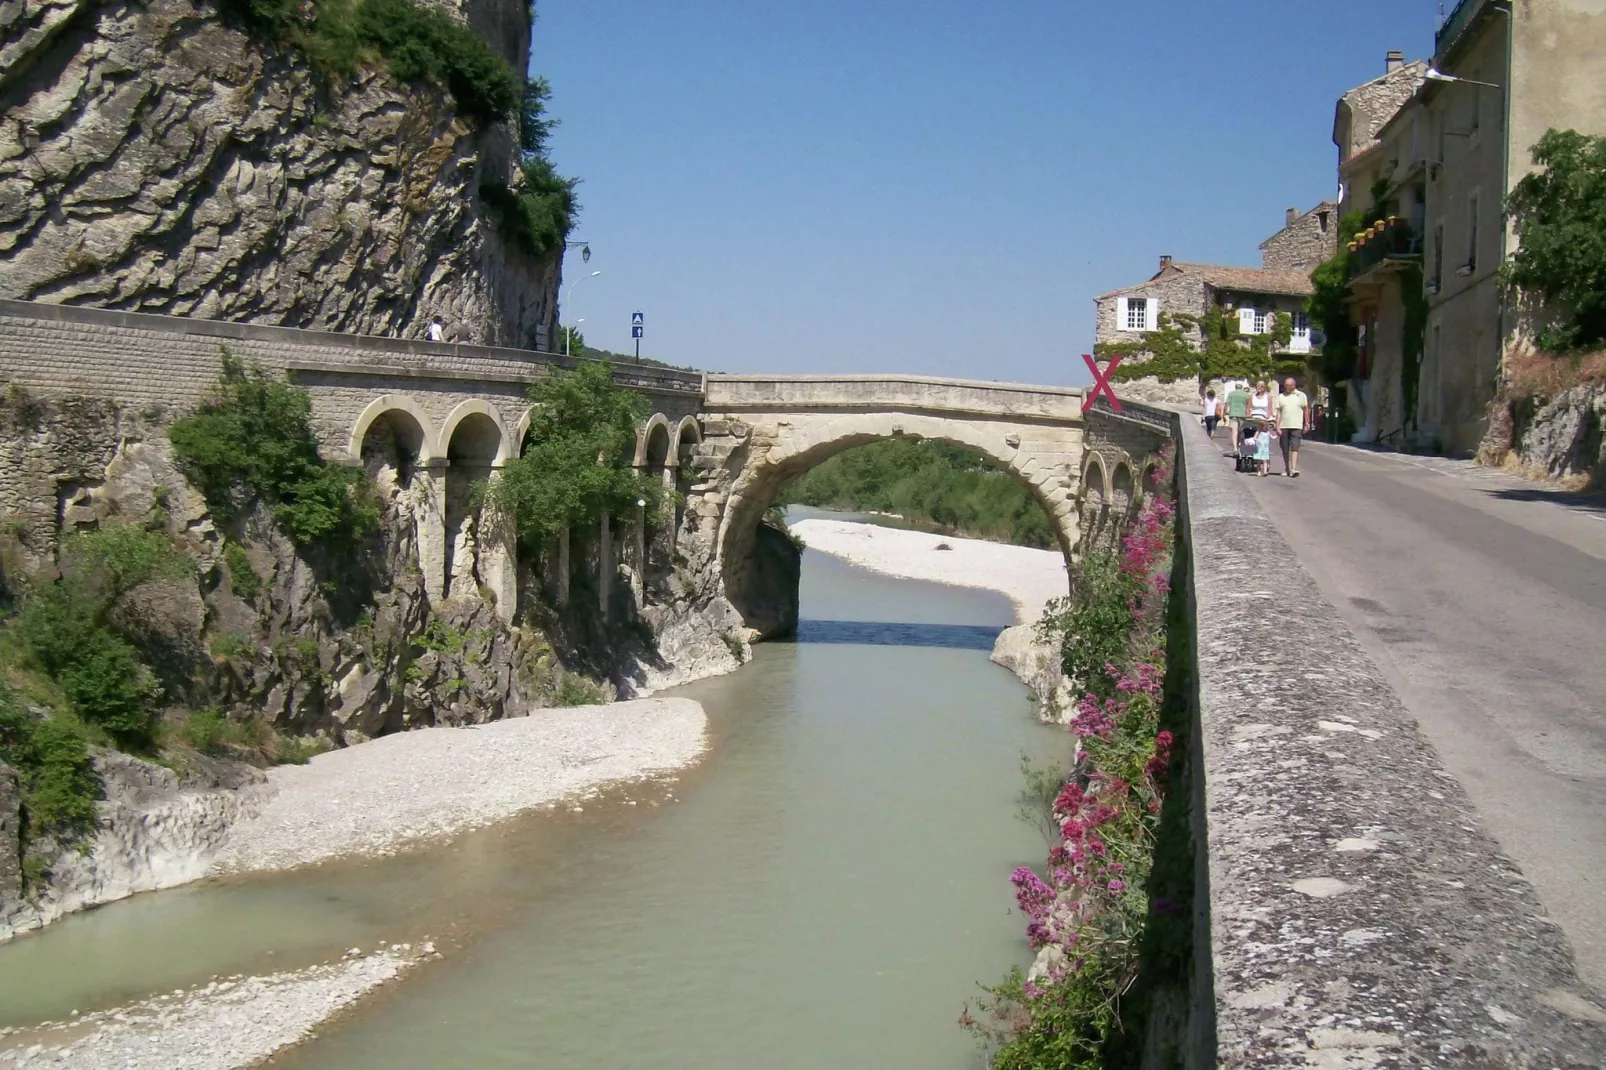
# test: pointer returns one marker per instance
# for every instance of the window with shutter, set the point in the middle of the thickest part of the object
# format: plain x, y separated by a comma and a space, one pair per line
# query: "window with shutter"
1246, 321
1136, 317
1260, 321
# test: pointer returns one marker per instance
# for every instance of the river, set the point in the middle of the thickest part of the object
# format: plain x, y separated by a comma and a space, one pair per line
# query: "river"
824, 890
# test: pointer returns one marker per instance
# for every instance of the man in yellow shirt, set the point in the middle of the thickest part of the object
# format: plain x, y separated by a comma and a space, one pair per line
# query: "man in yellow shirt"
1293, 421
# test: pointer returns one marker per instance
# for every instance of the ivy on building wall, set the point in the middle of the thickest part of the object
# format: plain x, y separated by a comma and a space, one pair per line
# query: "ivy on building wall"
1207, 347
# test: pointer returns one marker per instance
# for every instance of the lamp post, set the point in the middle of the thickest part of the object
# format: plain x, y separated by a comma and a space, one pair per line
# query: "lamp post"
568, 293
1435, 75
585, 249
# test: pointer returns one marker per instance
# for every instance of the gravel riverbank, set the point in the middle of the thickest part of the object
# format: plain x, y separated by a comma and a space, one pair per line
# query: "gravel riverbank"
377, 798
228, 1024
372, 799
1029, 578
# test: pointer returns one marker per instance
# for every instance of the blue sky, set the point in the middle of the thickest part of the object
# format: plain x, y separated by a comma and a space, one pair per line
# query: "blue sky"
933, 187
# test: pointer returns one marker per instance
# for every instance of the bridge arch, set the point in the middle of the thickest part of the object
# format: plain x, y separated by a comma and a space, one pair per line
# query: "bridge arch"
1093, 503
467, 412
790, 455
653, 443
409, 420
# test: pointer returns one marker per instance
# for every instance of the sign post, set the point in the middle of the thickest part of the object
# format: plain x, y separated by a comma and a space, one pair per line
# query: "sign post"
637, 325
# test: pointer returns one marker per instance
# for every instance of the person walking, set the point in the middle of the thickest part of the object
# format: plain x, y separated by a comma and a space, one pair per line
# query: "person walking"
1237, 408
1293, 422
436, 330
1212, 412
1260, 401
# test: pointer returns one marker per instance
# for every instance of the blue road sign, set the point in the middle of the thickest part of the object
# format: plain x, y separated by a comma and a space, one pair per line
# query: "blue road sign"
636, 319
635, 332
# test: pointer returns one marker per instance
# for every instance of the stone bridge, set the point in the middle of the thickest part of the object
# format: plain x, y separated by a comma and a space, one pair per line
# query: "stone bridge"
430, 419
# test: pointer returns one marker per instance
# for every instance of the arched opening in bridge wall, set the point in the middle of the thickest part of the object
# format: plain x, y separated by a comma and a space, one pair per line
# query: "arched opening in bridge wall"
395, 444
476, 552
654, 459
753, 561
688, 436
1093, 506
1121, 502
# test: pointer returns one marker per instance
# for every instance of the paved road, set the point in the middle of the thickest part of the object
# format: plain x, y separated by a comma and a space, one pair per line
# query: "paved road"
1483, 599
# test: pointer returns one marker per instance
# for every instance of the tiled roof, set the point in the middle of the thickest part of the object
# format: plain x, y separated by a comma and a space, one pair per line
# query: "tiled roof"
1254, 280
1250, 280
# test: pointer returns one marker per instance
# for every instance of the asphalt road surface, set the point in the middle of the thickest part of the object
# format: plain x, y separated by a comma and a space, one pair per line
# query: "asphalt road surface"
1483, 599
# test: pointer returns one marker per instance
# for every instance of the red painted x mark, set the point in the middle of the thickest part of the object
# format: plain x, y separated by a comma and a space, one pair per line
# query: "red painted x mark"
1101, 383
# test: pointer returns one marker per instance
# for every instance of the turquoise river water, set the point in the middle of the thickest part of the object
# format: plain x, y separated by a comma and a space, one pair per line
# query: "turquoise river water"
824, 890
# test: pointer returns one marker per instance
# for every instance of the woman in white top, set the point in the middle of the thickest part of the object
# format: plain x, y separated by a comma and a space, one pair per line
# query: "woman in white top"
1260, 401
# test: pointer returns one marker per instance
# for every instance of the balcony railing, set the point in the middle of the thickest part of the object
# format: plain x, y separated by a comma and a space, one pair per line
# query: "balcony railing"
1463, 15
1393, 241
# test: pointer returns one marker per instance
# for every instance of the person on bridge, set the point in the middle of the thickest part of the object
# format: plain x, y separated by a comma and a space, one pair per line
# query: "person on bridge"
1238, 407
1260, 401
1293, 421
1212, 412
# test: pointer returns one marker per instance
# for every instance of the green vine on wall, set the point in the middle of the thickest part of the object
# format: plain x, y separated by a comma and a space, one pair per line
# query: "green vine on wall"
1207, 347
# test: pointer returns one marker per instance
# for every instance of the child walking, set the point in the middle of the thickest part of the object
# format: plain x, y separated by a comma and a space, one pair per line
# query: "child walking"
1263, 450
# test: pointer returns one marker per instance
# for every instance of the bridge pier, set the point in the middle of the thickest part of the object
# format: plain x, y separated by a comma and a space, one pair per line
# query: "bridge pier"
429, 514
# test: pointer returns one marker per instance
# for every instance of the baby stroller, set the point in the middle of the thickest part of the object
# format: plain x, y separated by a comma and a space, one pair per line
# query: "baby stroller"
1245, 458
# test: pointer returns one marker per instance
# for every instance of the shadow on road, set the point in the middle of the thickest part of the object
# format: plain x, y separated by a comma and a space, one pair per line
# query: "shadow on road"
1588, 501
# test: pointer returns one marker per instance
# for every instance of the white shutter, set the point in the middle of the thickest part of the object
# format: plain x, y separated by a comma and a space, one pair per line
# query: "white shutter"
1246, 321
1154, 313
1120, 313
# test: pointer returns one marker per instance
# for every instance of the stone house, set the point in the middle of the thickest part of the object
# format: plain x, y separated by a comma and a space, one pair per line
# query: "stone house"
1253, 295
1305, 241
1551, 54
1381, 141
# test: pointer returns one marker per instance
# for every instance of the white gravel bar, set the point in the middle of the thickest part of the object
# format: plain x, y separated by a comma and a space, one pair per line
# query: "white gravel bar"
378, 797
1029, 578
226, 1025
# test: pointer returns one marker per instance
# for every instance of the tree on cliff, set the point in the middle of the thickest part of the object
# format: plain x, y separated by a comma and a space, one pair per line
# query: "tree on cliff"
577, 463
1560, 217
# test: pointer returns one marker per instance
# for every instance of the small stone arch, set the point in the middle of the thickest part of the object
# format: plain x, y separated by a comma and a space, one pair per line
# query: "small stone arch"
1151, 477
521, 431
473, 407
1122, 497
383, 406
655, 430
687, 429
1094, 501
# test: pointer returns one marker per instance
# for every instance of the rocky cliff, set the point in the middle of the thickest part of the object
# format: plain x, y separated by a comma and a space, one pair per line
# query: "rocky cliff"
154, 157
1559, 437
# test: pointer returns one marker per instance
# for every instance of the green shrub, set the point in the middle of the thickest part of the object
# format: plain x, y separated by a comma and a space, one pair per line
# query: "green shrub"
297, 750
97, 670
231, 647
243, 578
419, 43
538, 216
1559, 212
1095, 625
576, 690
579, 465
51, 756
251, 441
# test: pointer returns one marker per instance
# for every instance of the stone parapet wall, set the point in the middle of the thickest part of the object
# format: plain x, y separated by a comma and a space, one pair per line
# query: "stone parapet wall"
1357, 914
881, 393
166, 363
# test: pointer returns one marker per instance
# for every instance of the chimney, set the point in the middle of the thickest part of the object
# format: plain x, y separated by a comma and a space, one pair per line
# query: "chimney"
1396, 60
1165, 261
1289, 217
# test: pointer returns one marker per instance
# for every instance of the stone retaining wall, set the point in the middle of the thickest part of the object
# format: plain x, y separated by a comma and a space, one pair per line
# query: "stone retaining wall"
1358, 916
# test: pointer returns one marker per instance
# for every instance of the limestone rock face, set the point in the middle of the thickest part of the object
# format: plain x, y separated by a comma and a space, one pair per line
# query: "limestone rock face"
1561, 438
153, 158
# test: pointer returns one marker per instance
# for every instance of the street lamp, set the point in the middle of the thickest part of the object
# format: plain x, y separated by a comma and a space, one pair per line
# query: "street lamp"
585, 249
1435, 75
570, 293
